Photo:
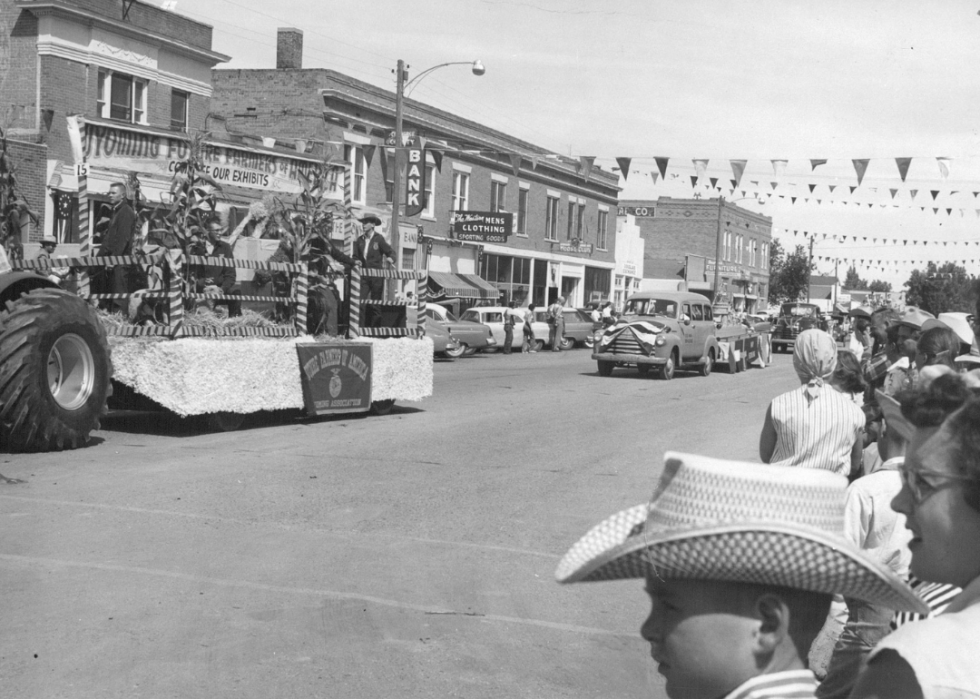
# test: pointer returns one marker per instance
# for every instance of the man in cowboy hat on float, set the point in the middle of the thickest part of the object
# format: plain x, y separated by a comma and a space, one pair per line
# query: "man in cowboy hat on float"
740, 562
55, 274
371, 250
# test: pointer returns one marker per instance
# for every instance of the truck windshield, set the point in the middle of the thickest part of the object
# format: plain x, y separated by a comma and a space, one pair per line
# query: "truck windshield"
652, 307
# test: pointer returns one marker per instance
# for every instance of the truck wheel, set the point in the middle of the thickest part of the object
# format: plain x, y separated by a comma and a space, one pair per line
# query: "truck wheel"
667, 368
709, 361
605, 368
382, 407
225, 421
55, 372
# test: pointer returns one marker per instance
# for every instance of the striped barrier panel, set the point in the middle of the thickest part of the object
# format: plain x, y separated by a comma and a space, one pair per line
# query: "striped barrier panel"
198, 331
422, 294
302, 294
354, 322
387, 273
138, 331
232, 297
88, 261
116, 297
389, 332
175, 294
245, 264
84, 236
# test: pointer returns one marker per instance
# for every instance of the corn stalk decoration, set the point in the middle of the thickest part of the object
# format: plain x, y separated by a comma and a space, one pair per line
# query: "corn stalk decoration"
13, 207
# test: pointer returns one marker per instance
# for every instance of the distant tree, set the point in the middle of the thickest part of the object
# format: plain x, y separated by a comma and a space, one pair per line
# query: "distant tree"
789, 274
853, 281
940, 289
879, 286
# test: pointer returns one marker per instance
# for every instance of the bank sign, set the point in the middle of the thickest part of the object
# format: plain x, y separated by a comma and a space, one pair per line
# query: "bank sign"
482, 226
335, 378
152, 153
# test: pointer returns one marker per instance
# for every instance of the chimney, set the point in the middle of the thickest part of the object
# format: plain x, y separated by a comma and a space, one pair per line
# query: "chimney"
289, 49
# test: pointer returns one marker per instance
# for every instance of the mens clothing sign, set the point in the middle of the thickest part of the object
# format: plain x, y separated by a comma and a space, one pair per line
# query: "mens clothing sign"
415, 182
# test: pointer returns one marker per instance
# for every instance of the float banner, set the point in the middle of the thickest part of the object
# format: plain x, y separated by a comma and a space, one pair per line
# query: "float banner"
152, 153
482, 226
415, 182
336, 378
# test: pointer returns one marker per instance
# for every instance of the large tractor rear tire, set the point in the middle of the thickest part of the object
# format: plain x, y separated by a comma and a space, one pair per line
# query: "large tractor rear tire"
55, 372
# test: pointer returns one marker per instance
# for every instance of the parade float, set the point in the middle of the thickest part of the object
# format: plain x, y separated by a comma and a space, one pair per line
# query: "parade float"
181, 355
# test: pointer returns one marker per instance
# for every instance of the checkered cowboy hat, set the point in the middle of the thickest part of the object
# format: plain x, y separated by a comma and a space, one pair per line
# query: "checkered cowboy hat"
712, 519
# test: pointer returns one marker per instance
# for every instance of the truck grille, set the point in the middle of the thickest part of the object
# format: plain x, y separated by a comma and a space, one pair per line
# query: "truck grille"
787, 333
626, 343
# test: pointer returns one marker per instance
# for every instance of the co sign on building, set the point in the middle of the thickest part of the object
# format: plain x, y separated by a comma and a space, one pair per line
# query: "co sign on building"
638, 211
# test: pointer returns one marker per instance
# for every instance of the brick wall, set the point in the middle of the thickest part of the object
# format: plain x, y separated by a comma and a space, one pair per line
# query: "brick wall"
29, 161
287, 104
153, 19
289, 49
67, 88
18, 67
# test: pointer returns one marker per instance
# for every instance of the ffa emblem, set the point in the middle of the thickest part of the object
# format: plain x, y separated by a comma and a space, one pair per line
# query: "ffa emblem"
374, 246
336, 385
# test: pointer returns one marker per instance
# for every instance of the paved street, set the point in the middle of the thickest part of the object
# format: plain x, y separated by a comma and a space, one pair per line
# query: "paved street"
407, 556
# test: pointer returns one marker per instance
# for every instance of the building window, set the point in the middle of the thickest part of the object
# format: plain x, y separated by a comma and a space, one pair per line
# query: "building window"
498, 191
522, 195
739, 247
603, 222
121, 97
728, 245
551, 219
571, 219
430, 191
580, 222
765, 256
179, 102
461, 191
355, 156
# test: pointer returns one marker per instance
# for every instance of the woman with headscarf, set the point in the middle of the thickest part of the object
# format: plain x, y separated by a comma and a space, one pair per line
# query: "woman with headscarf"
814, 426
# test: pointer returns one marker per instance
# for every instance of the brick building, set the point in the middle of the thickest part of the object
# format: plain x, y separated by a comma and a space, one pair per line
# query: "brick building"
563, 234
681, 236
131, 69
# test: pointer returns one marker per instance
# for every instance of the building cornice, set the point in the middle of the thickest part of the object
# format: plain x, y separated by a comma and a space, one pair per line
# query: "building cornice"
61, 8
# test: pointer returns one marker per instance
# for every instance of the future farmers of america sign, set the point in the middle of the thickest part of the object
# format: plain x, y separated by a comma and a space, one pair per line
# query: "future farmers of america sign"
152, 153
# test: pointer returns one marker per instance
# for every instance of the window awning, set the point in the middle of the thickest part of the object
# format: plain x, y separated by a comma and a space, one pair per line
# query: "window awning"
451, 286
485, 288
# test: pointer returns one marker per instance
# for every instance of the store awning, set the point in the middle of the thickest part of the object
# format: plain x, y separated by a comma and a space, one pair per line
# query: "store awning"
451, 286
486, 289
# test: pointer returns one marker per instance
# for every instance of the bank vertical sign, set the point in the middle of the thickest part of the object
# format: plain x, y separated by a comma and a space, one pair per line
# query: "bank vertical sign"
415, 182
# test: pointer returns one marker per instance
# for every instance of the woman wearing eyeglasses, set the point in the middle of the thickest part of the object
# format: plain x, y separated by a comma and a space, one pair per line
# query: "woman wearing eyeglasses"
938, 658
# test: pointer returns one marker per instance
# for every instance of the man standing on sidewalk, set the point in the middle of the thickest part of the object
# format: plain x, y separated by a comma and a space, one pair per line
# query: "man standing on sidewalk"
556, 322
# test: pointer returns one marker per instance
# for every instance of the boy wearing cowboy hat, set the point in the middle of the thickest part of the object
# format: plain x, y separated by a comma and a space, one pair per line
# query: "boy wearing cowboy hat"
740, 562
371, 250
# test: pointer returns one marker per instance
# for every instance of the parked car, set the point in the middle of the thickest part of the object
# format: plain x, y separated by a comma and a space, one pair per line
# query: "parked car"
663, 329
493, 317
793, 319
579, 327
443, 344
474, 336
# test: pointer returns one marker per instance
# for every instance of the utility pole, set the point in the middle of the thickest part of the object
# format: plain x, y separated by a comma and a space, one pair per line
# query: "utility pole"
396, 237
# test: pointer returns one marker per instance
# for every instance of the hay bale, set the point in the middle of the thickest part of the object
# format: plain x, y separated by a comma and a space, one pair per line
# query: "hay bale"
197, 376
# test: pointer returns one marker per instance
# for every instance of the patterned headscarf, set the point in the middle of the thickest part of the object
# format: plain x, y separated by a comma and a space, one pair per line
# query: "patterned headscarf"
814, 358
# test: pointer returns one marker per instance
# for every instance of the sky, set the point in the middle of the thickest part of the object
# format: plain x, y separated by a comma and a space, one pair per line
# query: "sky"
710, 80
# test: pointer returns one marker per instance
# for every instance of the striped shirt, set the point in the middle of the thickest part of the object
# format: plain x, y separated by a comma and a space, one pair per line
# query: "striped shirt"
791, 684
816, 432
936, 595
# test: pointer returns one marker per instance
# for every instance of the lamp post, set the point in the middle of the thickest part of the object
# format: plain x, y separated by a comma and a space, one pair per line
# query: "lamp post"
721, 208
402, 73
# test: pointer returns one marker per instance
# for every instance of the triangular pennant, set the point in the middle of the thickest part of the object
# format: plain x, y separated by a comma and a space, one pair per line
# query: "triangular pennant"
860, 167
774, 184
713, 181
700, 165
793, 200
935, 193
585, 163
949, 211
534, 162
893, 191
662, 166
832, 188
852, 188
369, 154
694, 180
812, 187
655, 175
437, 158
814, 164
734, 185
943, 164
515, 163
913, 192
738, 169
779, 167
624, 166
903, 166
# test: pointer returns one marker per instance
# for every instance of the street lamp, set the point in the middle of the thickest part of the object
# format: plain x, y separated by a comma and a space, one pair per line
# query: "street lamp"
402, 72
721, 208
